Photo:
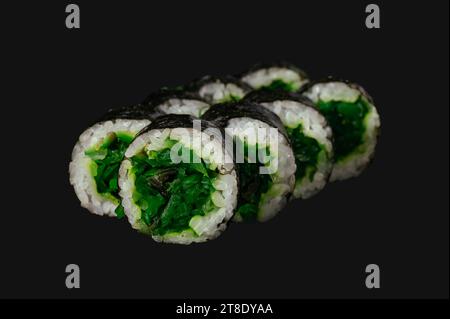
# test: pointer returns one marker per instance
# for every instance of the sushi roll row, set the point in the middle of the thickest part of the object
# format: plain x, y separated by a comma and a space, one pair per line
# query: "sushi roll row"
187, 160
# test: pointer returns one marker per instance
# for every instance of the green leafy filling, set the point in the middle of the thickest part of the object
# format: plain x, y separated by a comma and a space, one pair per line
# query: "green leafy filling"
170, 194
306, 151
106, 160
279, 84
347, 121
228, 98
252, 183
231, 98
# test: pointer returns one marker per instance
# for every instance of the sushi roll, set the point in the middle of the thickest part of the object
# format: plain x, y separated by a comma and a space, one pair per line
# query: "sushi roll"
309, 134
97, 155
177, 182
277, 76
263, 157
352, 115
216, 90
176, 101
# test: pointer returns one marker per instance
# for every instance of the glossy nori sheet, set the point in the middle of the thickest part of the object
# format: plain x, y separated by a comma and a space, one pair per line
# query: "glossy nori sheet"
220, 114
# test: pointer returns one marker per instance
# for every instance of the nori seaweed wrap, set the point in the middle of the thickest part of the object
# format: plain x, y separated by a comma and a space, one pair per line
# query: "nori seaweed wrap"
263, 157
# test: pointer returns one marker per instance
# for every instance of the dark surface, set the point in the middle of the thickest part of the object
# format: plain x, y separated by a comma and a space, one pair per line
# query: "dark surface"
395, 214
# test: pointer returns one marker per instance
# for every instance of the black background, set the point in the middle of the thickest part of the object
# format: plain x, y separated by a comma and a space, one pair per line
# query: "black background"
58, 81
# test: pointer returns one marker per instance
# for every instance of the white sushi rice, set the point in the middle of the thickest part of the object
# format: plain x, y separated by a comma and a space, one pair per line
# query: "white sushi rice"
314, 125
354, 163
202, 228
217, 92
283, 178
183, 106
264, 77
80, 167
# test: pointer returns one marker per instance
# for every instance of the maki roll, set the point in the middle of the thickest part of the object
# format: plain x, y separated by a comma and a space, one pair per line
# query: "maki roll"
176, 101
177, 182
263, 157
216, 90
97, 155
351, 113
309, 134
277, 76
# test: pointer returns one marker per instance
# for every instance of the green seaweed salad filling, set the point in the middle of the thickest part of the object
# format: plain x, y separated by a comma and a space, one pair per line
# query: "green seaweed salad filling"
106, 161
282, 85
252, 184
347, 121
306, 151
229, 98
170, 194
